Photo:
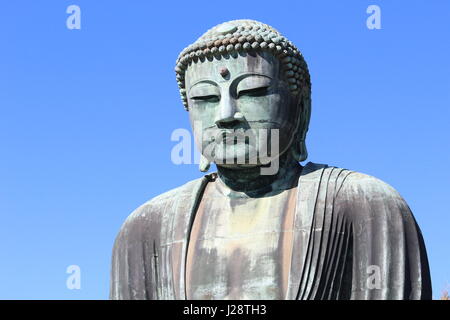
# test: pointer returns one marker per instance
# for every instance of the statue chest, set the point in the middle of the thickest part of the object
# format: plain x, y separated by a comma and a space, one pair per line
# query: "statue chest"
240, 248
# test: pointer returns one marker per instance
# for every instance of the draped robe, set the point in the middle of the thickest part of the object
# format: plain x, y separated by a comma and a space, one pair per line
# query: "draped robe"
354, 238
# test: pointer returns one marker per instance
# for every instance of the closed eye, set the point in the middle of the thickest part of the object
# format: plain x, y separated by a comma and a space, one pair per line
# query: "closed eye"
254, 92
208, 98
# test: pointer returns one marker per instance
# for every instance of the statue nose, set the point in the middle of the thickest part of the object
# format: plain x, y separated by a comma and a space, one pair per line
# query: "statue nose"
227, 117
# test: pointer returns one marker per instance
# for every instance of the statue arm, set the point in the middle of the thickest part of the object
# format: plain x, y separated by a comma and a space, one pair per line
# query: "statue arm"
388, 254
131, 267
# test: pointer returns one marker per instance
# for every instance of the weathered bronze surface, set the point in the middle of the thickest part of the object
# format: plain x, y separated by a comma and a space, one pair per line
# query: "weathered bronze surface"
245, 232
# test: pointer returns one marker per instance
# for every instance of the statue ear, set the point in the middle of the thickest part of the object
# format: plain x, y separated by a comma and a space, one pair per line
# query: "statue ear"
303, 152
298, 148
295, 150
204, 164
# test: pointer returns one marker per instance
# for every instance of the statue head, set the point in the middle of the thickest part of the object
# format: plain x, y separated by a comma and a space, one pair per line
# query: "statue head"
243, 77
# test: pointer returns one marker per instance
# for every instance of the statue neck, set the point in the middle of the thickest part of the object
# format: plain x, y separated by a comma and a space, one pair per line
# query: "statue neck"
251, 181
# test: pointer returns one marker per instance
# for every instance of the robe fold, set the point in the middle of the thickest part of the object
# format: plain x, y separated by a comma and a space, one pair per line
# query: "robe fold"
354, 238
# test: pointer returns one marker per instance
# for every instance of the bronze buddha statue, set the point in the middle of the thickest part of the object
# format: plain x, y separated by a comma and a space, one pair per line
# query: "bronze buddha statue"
263, 226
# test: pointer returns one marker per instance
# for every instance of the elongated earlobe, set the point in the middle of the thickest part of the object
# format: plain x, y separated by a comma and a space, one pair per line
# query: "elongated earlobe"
303, 154
204, 164
295, 150
298, 149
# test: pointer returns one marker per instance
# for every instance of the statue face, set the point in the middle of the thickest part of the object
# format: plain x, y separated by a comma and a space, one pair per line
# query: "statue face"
235, 104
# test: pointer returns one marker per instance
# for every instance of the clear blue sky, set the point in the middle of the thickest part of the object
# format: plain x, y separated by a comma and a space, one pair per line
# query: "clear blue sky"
86, 118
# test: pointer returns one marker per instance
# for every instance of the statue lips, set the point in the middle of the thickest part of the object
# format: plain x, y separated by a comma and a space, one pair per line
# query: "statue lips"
232, 136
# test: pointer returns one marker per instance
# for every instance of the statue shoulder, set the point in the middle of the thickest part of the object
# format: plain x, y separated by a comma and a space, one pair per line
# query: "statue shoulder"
366, 197
157, 204
363, 185
349, 186
150, 214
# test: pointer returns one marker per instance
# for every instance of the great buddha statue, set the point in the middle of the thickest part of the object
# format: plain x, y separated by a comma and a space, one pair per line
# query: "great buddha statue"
264, 226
